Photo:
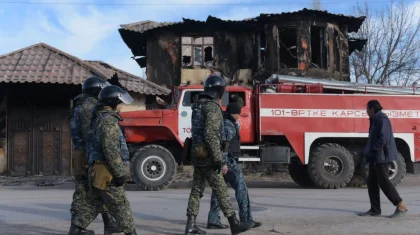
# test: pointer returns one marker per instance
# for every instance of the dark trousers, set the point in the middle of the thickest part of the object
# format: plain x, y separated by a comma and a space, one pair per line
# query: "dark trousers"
379, 178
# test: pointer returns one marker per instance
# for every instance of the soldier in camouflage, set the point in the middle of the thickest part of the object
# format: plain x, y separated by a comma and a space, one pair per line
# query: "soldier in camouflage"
82, 210
109, 158
206, 156
232, 171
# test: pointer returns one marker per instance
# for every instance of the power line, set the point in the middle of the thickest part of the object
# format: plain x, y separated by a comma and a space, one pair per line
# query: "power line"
171, 4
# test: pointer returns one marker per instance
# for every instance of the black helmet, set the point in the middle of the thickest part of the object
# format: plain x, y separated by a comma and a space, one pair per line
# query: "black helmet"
113, 96
216, 84
93, 85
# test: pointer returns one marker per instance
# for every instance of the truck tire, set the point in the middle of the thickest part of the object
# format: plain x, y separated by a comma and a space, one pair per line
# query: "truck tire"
397, 171
153, 168
299, 174
331, 166
359, 176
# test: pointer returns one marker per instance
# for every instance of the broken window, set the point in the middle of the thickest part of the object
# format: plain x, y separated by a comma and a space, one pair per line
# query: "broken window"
197, 51
318, 47
288, 48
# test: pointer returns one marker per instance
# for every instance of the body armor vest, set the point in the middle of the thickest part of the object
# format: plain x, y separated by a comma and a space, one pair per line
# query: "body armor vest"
75, 124
234, 149
197, 129
95, 151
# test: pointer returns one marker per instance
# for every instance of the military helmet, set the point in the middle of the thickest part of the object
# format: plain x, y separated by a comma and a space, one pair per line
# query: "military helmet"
113, 96
216, 84
93, 85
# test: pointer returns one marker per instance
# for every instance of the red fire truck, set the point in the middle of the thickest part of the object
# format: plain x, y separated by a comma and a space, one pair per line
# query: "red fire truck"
317, 127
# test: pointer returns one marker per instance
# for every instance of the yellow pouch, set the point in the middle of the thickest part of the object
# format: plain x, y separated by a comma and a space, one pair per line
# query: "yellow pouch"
200, 151
101, 176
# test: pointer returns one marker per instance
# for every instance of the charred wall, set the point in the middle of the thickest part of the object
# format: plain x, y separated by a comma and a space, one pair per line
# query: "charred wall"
169, 65
163, 59
248, 50
293, 46
225, 44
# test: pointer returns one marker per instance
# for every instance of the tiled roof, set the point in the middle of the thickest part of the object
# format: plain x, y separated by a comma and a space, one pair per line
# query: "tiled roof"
144, 26
41, 63
129, 81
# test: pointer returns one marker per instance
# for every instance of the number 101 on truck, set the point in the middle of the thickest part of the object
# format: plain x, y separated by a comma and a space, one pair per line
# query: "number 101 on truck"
318, 127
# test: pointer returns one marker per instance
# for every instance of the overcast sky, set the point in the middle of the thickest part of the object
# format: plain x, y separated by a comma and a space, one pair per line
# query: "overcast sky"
89, 29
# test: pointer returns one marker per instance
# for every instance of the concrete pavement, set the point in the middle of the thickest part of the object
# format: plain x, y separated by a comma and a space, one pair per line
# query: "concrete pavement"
286, 210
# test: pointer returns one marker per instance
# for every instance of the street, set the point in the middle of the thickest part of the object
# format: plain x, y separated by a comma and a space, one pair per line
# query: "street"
284, 210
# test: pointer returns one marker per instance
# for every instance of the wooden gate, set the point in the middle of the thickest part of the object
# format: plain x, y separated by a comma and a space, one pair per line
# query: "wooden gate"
39, 141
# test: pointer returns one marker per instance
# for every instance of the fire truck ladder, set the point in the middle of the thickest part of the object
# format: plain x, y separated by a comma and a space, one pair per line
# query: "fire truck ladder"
348, 86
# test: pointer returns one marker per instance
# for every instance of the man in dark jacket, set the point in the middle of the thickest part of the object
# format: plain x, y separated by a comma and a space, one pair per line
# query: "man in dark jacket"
379, 152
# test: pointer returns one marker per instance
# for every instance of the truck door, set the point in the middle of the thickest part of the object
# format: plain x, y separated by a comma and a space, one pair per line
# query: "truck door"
184, 113
247, 126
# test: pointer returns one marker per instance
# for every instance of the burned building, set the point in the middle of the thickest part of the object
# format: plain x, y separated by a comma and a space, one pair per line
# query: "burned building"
302, 43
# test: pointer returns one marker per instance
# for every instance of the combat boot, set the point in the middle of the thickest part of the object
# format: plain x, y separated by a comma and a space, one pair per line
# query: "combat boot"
191, 227
110, 226
76, 230
237, 227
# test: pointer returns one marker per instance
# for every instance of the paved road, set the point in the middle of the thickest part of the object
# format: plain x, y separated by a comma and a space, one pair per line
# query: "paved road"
287, 210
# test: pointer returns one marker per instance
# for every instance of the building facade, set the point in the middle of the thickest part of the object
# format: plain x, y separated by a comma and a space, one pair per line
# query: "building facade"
308, 43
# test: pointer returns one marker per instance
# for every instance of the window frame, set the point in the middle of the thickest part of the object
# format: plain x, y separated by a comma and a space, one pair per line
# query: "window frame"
192, 44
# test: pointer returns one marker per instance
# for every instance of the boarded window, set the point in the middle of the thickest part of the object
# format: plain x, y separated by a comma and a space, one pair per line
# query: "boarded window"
197, 51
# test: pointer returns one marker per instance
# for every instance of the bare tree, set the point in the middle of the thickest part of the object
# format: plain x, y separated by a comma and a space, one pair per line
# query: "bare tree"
391, 55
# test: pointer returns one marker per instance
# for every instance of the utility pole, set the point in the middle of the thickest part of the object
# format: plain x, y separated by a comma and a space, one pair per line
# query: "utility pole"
316, 4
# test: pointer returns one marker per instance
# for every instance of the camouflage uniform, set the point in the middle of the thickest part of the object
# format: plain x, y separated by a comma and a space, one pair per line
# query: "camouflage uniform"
106, 143
234, 177
207, 126
82, 210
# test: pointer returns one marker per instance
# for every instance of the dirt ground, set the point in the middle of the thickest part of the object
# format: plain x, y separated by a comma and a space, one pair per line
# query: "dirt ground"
250, 173
184, 173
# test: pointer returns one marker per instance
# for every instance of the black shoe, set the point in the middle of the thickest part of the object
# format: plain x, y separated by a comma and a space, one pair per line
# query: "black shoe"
132, 233
398, 213
369, 213
76, 230
237, 227
110, 226
216, 226
191, 227
256, 224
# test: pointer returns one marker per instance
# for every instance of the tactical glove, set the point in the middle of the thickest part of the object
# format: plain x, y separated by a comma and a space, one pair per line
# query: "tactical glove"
217, 166
119, 181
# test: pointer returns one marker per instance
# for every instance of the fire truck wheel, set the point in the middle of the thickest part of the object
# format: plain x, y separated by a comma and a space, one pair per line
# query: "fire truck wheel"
331, 166
299, 174
153, 167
